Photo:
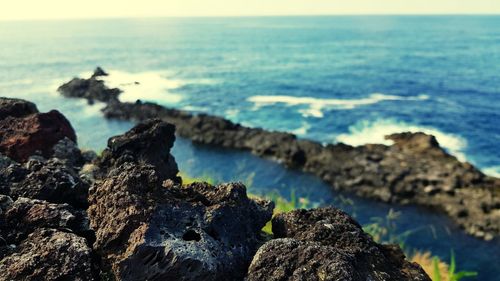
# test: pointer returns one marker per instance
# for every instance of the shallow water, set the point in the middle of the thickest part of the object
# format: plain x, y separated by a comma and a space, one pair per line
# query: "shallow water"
349, 79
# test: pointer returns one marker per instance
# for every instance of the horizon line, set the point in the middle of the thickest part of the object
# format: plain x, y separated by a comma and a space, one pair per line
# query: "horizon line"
249, 16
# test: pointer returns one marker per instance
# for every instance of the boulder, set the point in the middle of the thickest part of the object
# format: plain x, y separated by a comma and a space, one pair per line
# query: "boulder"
39, 241
148, 227
48, 254
147, 231
22, 217
21, 137
327, 244
16, 108
149, 142
51, 180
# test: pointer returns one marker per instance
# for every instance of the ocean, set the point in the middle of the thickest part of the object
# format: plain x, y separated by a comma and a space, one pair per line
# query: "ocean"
350, 79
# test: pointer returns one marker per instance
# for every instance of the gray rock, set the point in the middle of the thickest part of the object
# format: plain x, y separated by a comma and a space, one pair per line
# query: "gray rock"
48, 254
327, 244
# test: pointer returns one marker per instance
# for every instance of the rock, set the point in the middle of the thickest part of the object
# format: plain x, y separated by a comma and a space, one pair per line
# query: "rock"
39, 241
198, 232
290, 259
91, 89
68, 152
39, 132
149, 142
400, 173
327, 244
48, 254
99, 72
49, 180
150, 228
416, 143
22, 217
16, 108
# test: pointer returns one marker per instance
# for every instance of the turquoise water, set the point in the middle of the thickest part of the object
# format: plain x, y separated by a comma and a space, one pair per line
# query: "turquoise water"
348, 79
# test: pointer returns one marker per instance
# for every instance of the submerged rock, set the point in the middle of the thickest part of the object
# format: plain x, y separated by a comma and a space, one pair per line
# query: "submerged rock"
21, 137
327, 244
150, 228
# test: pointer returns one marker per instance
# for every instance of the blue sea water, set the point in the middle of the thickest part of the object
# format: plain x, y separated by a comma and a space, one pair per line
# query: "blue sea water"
332, 79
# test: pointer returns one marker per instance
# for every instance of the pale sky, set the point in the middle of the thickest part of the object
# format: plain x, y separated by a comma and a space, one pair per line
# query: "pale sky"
77, 9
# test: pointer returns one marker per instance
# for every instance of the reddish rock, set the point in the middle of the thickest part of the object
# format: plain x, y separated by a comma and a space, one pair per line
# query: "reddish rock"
23, 137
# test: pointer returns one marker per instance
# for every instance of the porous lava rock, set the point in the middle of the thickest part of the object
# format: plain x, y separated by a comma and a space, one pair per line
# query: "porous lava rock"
149, 142
48, 254
51, 180
41, 241
148, 227
327, 244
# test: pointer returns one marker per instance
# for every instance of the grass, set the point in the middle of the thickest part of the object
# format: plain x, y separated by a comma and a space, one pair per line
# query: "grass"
382, 229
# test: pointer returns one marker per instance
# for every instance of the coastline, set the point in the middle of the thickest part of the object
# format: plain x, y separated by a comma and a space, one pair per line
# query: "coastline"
414, 170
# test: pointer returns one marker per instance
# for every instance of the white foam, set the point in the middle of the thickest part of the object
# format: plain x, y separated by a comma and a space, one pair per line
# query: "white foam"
302, 131
374, 131
315, 106
492, 171
231, 113
146, 86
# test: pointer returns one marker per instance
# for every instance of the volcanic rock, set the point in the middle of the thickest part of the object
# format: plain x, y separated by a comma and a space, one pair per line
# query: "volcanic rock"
21, 217
21, 137
150, 143
414, 170
99, 72
49, 180
327, 244
48, 254
16, 108
91, 89
150, 228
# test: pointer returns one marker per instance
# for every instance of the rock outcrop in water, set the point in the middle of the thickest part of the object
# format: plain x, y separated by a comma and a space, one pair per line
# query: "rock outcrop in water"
145, 225
414, 170
92, 89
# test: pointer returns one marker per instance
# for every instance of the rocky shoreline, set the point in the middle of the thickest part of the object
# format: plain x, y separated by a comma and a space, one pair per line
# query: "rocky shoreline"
125, 215
414, 170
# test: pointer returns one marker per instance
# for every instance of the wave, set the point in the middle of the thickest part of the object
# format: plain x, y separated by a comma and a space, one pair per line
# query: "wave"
315, 106
364, 132
492, 171
146, 86
302, 131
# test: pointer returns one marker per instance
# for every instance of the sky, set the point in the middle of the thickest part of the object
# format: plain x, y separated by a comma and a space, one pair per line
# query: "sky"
78, 9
